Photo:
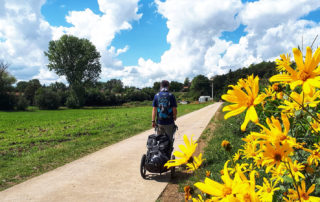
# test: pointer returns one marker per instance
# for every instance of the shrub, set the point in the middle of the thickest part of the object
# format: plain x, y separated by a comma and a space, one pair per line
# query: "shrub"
63, 97
94, 97
73, 101
22, 103
7, 101
47, 99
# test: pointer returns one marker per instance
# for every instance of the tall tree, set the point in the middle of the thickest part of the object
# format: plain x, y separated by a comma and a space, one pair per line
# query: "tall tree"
114, 86
77, 59
21, 86
186, 82
7, 100
6, 80
30, 90
156, 86
176, 86
200, 85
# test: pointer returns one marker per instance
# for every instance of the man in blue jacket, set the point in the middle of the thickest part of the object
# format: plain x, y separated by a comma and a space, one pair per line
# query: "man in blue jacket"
165, 108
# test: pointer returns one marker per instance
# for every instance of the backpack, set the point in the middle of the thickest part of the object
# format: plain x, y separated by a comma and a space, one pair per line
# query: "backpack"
164, 107
159, 151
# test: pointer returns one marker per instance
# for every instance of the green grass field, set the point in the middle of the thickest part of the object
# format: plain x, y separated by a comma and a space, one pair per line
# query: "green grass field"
36, 141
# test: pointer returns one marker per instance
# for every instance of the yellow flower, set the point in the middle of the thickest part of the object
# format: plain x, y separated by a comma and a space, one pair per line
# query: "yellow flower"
186, 153
300, 100
275, 134
295, 168
196, 163
239, 168
250, 150
282, 63
307, 73
269, 92
220, 191
243, 100
314, 157
187, 193
237, 156
278, 173
246, 192
275, 154
199, 199
315, 125
304, 195
279, 95
208, 173
226, 145
267, 189
276, 87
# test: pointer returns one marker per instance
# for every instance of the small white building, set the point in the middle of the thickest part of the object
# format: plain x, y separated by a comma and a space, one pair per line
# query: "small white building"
204, 98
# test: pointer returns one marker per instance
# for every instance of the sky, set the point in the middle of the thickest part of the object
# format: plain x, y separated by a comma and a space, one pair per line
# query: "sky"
143, 41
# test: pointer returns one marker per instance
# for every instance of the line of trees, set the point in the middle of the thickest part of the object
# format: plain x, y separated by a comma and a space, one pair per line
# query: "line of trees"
78, 60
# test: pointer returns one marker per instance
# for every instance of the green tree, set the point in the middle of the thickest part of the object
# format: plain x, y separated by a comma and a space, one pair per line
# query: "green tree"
47, 99
77, 59
21, 86
114, 86
58, 86
156, 86
186, 82
7, 100
30, 90
200, 85
176, 86
6, 80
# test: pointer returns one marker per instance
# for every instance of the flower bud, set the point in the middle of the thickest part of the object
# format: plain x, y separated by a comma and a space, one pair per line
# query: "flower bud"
226, 145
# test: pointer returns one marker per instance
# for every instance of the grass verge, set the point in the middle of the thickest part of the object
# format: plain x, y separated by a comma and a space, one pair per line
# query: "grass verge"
37, 141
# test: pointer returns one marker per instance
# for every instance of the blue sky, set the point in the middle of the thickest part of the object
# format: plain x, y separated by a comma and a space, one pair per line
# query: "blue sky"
146, 39
142, 41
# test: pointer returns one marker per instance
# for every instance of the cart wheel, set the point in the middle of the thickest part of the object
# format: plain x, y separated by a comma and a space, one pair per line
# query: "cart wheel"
143, 166
173, 169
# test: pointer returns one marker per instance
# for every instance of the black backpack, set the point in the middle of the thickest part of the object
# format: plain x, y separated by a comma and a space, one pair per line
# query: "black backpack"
164, 106
159, 151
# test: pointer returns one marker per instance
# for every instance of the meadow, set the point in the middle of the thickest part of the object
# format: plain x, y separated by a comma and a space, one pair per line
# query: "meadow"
37, 141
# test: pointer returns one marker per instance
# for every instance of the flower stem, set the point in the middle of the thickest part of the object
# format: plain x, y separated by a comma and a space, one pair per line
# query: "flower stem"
294, 181
315, 118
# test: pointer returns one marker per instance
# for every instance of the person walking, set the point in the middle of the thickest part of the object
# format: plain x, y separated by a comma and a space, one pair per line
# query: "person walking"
165, 110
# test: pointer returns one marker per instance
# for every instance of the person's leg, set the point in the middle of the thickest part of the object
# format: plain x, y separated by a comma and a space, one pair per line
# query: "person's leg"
169, 130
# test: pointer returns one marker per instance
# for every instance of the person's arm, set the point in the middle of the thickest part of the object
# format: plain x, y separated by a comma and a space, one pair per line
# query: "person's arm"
154, 112
175, 112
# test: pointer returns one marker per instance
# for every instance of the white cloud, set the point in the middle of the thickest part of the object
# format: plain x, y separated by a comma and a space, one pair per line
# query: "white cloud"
101, 29
25, 34
195, 29
273, 27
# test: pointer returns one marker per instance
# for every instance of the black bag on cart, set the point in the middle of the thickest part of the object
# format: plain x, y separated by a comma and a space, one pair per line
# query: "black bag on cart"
159, 152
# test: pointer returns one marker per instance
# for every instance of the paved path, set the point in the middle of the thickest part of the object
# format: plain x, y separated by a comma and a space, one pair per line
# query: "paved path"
110, 174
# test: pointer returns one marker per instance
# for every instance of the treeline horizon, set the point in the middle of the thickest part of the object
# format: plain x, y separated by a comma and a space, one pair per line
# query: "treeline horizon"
114, 93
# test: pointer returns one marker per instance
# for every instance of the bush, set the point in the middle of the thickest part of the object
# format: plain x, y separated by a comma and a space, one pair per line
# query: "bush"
73, 101
22, 103
94, 97
63, 97
47, 99
7, 101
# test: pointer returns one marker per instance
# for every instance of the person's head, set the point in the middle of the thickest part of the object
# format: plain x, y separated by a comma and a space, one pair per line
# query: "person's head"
164, 84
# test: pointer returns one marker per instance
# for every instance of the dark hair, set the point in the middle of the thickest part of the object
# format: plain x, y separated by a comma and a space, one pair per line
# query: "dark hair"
164, 84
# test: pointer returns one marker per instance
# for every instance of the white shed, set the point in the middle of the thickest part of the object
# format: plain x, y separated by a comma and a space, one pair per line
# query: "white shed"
204, 98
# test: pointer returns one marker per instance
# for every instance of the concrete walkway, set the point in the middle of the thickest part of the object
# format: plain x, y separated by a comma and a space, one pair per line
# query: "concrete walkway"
110, 174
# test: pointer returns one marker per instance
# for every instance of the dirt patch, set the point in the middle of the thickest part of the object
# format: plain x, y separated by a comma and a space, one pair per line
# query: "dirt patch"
171, 193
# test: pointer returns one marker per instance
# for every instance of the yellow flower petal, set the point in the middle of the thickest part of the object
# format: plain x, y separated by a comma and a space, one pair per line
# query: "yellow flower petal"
235, 112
